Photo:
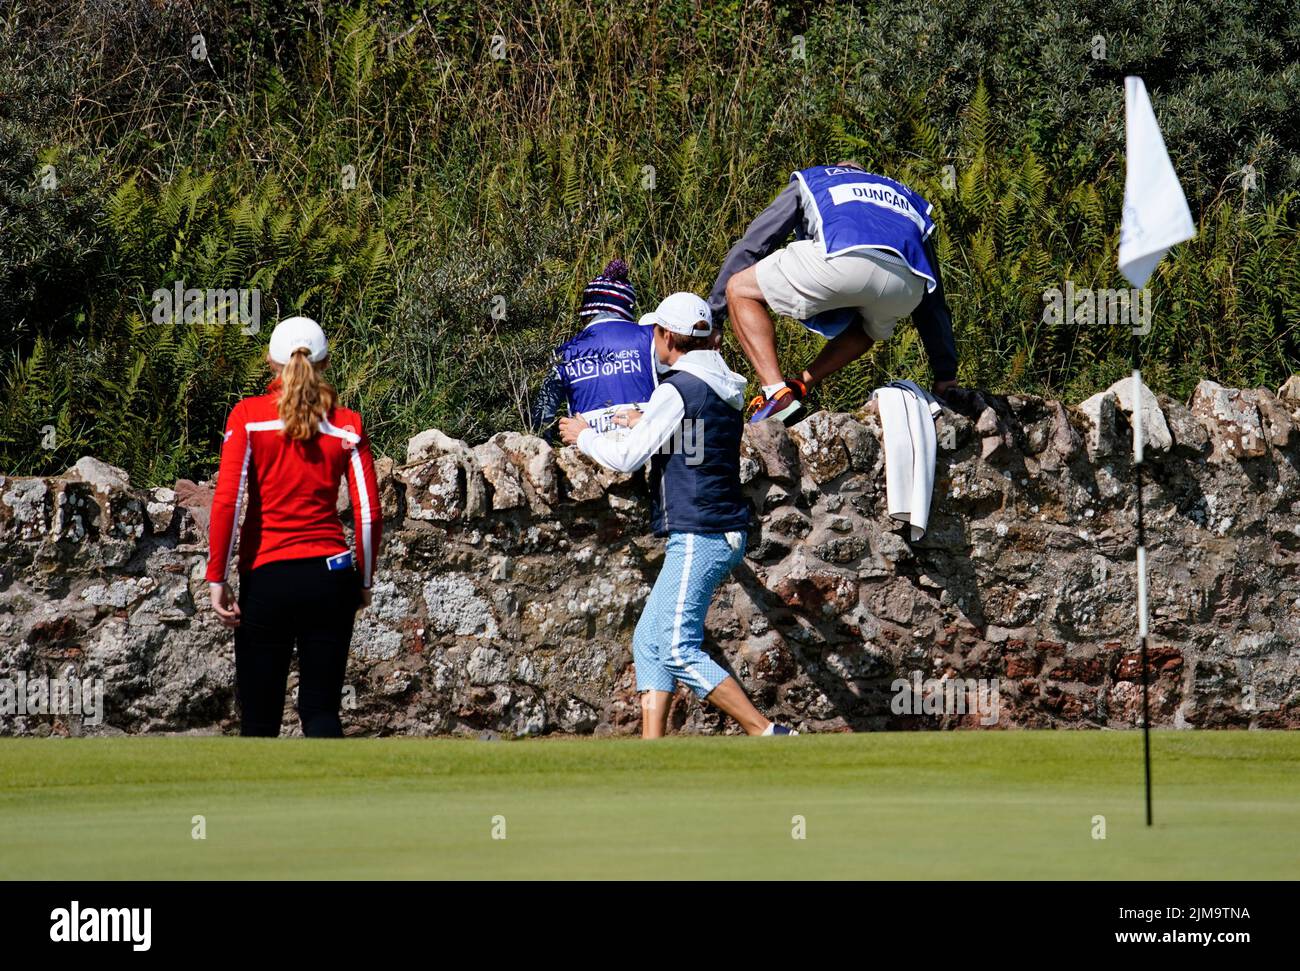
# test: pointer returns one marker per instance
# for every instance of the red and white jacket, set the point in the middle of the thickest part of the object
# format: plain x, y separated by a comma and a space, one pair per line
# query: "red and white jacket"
292, 490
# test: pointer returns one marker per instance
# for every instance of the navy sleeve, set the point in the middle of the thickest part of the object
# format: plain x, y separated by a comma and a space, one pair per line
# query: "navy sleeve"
934, 323
547, 405
766, 233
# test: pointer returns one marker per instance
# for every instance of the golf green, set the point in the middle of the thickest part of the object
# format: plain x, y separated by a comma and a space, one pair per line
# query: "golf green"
875, 806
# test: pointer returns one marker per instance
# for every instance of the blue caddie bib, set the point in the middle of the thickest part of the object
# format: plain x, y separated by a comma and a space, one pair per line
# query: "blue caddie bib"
847, 209
610, 365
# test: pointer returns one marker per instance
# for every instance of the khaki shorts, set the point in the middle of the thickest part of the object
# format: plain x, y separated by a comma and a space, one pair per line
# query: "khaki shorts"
800, 281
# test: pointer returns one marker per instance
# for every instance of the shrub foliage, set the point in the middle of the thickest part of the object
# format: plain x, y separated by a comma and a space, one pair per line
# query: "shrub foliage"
435, 181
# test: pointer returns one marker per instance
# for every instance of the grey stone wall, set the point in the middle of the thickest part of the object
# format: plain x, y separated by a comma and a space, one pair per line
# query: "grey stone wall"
512, 575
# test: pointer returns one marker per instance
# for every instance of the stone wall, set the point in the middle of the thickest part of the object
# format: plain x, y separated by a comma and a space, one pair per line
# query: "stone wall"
512, 575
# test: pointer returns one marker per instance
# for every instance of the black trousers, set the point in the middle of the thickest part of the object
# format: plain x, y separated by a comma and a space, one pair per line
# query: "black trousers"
288, 604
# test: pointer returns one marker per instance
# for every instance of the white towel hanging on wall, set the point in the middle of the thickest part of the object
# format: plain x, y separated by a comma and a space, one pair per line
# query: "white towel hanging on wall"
907, 419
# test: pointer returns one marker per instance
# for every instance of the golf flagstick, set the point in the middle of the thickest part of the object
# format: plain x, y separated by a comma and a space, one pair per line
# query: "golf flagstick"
1156, 218
1141, 568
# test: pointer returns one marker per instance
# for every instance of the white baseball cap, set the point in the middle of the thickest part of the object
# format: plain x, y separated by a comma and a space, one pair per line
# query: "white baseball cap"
295, 332
682, 313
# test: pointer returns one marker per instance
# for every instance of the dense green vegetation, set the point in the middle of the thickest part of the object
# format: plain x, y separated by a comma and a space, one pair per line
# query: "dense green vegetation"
378, 168
883, 806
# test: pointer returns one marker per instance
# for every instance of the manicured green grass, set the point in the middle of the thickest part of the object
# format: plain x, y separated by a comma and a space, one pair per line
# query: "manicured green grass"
920, 806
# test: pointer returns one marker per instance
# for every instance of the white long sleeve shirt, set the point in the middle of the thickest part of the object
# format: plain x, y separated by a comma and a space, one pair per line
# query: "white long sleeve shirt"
662, 417
663, 414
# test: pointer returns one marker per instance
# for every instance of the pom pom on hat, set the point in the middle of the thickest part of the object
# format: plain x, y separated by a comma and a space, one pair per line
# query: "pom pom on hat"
610, 293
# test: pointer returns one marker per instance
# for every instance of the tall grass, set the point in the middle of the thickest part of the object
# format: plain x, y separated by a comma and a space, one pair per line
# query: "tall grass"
439, 208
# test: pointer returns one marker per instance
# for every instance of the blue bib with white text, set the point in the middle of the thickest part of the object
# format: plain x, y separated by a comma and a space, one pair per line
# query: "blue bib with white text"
609, 365
847, 209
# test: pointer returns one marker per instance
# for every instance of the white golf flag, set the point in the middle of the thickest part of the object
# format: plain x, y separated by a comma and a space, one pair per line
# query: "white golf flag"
1156, 216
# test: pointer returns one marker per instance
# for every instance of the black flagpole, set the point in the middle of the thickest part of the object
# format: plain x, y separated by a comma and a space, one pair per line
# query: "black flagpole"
1141, 566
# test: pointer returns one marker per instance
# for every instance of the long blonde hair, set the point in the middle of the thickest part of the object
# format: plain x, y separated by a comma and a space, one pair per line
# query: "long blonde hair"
305, 396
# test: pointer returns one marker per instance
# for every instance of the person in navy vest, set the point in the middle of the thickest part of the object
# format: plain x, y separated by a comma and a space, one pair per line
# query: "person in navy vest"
608, 368
690, 434
863, 257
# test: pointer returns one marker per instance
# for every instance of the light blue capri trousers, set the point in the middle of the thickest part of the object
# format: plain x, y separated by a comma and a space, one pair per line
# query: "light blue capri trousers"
668, 644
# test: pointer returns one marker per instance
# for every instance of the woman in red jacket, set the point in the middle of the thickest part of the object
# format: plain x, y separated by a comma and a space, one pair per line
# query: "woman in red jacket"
299, 584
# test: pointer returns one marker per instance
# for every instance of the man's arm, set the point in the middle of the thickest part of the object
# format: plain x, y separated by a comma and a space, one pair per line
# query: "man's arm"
934, 323
662, 417
547, 405
765, 234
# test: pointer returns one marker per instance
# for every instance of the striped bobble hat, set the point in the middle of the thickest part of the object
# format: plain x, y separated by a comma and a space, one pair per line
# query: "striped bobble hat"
609, 293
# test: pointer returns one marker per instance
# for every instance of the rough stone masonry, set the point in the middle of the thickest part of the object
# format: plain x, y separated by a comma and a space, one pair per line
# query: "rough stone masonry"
512, 575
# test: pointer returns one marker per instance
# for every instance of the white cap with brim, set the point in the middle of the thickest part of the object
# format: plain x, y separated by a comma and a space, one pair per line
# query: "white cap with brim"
682, 313
295, 332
